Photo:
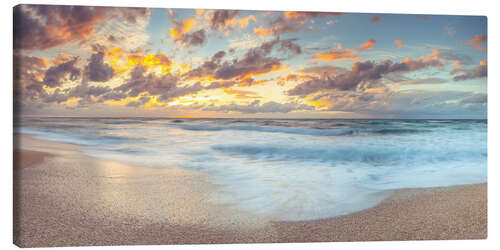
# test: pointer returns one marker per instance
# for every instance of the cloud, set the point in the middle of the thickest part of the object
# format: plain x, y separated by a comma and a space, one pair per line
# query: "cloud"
289, 45
28, 68
367, 45
256, 107
28, 77
376, 19
242, 94
226, 19
55, 75
38, 27
208, 67
126, 30
458, 59
180, 33
97, 70
323, 69
467, 74
399, 43
220, 18
409, 103
475, 99
131, 14
141, 81
141, 101
362, 72
337, 54
279, 26
308, 14
194, 39
290, 22
255, 61
476, 42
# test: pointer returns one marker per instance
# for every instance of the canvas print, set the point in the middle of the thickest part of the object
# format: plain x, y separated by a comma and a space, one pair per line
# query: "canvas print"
140, 126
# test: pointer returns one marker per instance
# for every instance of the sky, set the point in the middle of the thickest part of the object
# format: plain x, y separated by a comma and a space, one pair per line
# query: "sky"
142, 62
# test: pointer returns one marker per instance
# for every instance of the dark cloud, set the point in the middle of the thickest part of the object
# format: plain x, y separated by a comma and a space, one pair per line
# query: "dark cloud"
131, 14
164, 86
323, 69
467, 74
140, 81
97, 70
194, 38
220, 18
38, 27
55, 75
361, 72
46, 26
180, 33
289, 45
279, 26
28, 68
112, 39
141, 101
208, 67
254, 61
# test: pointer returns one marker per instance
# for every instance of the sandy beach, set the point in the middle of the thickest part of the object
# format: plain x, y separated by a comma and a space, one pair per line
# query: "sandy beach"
64, 198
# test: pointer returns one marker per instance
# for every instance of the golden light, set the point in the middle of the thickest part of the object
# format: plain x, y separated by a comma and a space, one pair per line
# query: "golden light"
187, 100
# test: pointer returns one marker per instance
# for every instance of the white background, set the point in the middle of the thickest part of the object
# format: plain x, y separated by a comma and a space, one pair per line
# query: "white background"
455, 7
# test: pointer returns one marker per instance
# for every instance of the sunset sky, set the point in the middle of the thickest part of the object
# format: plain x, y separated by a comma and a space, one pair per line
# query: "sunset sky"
103, 61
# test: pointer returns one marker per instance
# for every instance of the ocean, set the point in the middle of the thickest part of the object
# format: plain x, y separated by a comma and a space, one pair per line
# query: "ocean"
288, 169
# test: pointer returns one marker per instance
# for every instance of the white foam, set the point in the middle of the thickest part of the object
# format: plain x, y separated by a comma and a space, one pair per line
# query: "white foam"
293, 173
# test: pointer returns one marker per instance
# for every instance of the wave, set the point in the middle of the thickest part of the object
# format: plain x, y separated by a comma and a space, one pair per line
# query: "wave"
371, 155
307, 131
269, 129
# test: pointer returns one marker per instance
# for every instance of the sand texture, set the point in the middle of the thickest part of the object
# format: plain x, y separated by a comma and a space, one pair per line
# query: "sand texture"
68, 199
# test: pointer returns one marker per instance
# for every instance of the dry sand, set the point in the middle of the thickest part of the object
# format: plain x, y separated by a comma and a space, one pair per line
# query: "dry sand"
69, 199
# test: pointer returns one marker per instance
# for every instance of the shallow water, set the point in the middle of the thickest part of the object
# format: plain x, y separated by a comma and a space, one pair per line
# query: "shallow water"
288, 169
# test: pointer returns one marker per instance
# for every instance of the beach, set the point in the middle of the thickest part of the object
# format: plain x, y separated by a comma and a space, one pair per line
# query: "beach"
65, 198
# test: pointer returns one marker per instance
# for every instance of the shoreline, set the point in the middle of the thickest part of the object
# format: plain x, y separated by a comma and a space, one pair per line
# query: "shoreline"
85, 201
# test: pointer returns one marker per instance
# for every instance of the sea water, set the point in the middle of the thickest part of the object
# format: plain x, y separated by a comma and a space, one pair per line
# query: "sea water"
288, 169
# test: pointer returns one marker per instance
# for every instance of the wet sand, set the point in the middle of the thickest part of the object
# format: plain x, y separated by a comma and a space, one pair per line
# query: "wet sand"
447, 213
68, 199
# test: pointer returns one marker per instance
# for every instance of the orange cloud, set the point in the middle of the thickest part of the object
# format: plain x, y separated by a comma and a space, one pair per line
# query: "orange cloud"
261, 31
336, 54
182, 27
399, 43
242, 22
367, 45
476, 42
376, 19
